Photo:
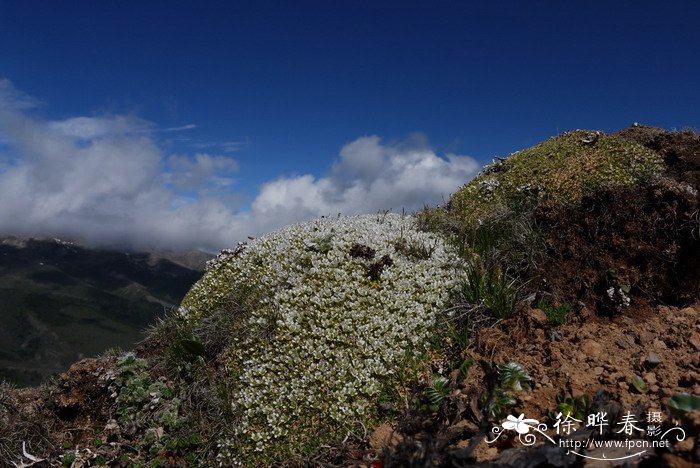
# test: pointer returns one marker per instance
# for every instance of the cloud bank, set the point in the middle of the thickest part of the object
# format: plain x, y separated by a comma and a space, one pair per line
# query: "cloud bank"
106, 179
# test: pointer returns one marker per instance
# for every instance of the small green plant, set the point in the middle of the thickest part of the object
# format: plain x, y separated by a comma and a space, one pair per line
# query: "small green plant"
461, 336
501, 403
576, 407
491, 288
639, 384
464, 368
67, 459
556, 315
144, 404
438, 390
193, 346
513, 376
414, 249
682, 404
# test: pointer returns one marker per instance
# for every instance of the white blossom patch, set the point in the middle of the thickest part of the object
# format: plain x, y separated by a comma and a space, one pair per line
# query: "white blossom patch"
324, 336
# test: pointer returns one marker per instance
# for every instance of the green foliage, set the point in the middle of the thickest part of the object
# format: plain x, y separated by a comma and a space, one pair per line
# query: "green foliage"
67, 459
461, 336
639, 384
145, 405
505, 237
491, 288
464, 368
501, 403
576, 407
562, 168
492, 215
438, 390
682, 404
193, 346
184, 444
513, 376
556, 315
415, 249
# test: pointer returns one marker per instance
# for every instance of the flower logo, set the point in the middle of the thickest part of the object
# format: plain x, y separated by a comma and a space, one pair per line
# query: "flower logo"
520, 424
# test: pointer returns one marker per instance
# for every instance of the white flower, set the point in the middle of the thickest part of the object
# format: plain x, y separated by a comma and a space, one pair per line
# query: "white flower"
323, 335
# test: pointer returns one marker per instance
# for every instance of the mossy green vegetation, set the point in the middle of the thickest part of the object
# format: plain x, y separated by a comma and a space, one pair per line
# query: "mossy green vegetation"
145, 405
562, 169
556, 315
334, 310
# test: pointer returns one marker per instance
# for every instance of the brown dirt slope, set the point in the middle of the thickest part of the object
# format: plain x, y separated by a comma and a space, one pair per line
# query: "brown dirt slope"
643, 242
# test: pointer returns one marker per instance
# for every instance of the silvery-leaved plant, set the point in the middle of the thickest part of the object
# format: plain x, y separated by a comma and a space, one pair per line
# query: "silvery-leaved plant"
335, 307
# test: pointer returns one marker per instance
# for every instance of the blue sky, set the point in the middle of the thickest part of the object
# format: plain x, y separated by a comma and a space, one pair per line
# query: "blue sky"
282, 87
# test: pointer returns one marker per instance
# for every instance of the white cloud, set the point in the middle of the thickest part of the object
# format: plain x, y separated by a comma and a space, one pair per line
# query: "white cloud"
12, 98
179, 129
225, 146
192, 173
106, 179
88, 128
368, 177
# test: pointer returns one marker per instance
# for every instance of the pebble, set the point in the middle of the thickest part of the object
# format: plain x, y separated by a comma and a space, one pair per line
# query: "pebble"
695, 359
632, 337
591, 348
622, 343
695, 341
554, 335
598, 370
537, 315
653, 359
650, 378
645, 338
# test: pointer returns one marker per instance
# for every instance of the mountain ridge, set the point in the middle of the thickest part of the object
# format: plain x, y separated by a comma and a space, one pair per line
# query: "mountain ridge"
63, 301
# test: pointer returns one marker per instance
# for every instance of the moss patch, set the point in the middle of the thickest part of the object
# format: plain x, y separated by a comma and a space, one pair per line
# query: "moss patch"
562, 169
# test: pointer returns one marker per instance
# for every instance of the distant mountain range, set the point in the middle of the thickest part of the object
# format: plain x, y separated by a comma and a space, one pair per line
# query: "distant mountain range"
60, 301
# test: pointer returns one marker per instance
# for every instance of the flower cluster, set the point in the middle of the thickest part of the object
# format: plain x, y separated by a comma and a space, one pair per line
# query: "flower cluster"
618, 297
336, 306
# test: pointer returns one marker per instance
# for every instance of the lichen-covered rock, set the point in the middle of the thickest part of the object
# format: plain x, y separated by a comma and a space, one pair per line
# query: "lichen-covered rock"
335, 309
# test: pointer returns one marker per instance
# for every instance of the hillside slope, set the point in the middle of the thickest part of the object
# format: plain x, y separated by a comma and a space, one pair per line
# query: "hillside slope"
62, 301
